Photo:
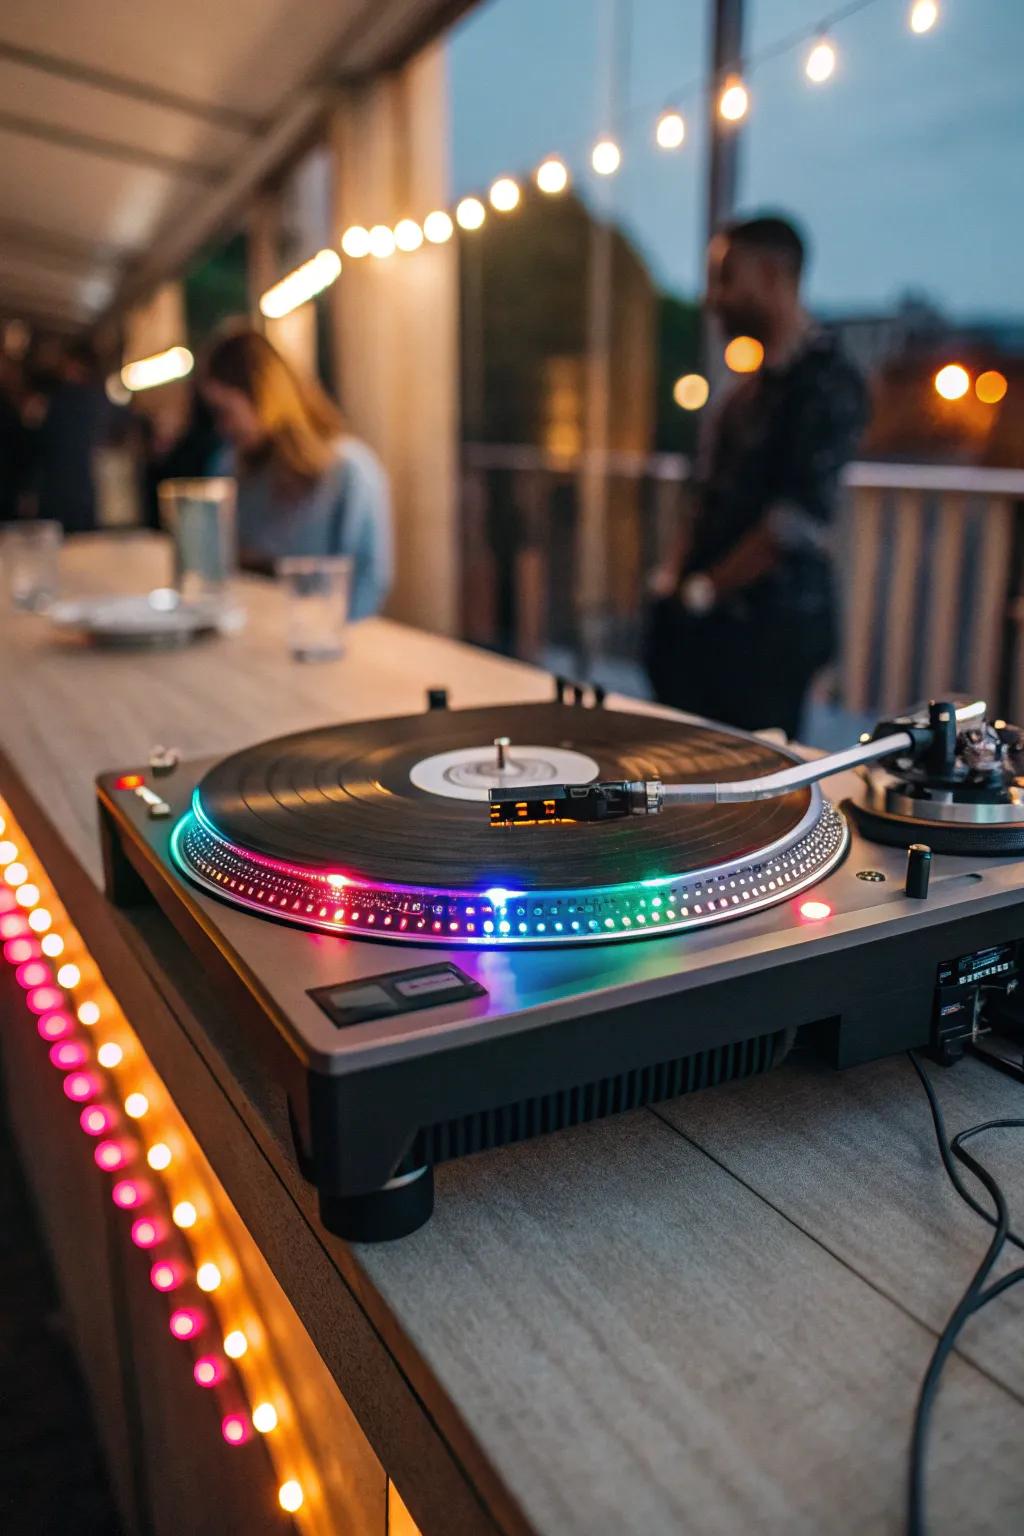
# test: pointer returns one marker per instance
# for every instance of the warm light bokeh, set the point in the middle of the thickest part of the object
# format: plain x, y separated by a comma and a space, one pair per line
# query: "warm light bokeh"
821, 62
952, 382
552, 176
734, 102
691, 391
670, 131
744, 354
990, 386
606, 157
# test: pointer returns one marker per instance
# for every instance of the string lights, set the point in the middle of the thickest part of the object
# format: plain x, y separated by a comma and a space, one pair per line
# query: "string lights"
732, 99
210, 1300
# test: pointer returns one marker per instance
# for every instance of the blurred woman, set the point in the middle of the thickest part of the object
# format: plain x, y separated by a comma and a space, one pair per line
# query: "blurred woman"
305, 487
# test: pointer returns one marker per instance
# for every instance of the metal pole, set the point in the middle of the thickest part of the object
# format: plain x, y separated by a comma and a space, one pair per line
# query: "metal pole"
592, 483
723, 142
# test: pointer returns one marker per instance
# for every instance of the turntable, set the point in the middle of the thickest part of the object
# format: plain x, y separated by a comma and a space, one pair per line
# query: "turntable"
453, 931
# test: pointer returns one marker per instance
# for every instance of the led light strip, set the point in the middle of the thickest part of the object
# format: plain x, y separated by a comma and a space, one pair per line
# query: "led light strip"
160, 1179
501, 918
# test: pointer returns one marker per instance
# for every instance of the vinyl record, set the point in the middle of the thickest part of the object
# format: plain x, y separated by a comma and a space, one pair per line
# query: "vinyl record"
347, 807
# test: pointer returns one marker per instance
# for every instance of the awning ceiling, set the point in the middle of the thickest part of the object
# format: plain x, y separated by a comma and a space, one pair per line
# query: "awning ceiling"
131, 129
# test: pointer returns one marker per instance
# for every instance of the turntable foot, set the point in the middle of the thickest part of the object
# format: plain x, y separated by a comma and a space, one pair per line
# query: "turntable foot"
394, 1211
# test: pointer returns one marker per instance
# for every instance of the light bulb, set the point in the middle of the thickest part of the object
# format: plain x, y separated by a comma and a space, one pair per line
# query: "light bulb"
185, 1323
184, 1214
290, 1495
355, 242
952, 382
670, 130
923, 15
552, 176
110, 1054
40, 920
504, 194
52, 944
27, 895
821, 62
208, 1277
438, 227
470, 213
235, 1428
68, 976
88, 1013
136, 1105
208, 1370
734, 102
691, 391
382, 242
15, 872
408, 235
264, 1418
159, 1156
606, 157
235, 1344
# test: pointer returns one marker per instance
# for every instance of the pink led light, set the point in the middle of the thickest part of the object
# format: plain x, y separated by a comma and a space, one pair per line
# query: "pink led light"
34, 973
68, 1054
208, 1370
80, 1086
42, 999
127, 1194
166, 1276
145, 1232
7, 901
185, 1322
94, 1120
235, 1428
13, 925
16, 951
54, 1026
111, 1155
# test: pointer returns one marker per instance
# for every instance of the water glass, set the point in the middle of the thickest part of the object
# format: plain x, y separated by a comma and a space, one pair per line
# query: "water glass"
29, 553
200, 517
317, 590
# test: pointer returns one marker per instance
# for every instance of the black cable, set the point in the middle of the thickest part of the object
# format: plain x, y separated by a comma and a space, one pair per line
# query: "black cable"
974, 1297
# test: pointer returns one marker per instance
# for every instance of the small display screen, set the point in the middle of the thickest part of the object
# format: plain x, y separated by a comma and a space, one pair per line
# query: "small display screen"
378, 997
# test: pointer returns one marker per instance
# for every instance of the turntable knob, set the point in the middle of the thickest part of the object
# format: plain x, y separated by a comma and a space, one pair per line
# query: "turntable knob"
919, 868
501, 746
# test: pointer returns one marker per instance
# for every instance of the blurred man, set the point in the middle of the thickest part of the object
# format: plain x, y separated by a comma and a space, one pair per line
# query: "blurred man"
747, 616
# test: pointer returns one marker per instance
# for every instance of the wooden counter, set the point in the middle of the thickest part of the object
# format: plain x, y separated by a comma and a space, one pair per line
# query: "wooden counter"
708, 1318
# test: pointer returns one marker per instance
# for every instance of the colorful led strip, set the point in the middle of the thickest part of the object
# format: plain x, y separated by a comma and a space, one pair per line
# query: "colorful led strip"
497, 917
159, 1178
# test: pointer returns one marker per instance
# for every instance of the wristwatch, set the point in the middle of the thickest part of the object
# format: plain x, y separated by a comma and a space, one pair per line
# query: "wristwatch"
697, 593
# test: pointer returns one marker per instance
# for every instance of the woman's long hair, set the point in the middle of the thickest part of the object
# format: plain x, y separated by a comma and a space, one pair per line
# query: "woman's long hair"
301, 426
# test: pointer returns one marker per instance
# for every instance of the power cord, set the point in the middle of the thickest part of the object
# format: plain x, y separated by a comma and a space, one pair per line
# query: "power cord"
975, 1296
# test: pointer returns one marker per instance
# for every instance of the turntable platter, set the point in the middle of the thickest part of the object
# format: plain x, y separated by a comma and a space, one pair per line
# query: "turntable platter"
382, 827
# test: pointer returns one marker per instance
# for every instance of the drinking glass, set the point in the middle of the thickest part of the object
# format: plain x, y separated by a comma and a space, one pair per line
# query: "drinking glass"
29, 554
200, 517
317, 591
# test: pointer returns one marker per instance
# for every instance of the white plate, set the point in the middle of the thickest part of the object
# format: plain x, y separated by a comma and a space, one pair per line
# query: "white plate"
153, 618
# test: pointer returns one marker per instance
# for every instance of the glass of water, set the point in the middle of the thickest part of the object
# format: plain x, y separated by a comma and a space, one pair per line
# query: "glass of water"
317, 591
200, 517
29, 554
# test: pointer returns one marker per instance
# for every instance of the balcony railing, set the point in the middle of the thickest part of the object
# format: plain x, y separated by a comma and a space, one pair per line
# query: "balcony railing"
930, 562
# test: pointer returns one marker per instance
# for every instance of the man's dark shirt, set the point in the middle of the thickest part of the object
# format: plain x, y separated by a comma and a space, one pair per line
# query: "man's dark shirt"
775, 452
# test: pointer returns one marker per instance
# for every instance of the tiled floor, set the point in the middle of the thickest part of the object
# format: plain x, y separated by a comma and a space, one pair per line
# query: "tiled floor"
52, 1481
